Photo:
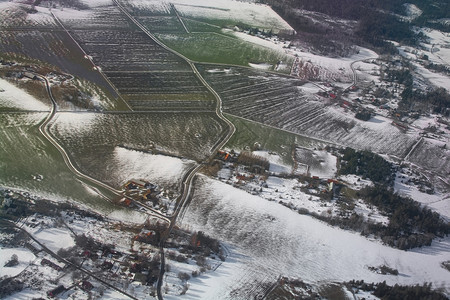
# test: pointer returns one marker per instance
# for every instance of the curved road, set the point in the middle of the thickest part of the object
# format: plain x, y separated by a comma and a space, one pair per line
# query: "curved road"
183, 201
43, 128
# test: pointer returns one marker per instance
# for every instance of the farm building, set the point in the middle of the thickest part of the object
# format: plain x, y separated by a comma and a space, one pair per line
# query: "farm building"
56, 291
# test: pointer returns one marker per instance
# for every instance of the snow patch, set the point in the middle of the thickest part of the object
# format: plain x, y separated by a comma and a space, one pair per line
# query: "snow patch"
54, 238
24, 257
14, 97
153, 167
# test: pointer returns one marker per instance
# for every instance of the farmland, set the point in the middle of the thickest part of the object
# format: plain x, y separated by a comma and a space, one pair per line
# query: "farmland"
220, 48
223, 142
223, 13
31, 162
145, 74
204, 38
282, 102
253, 136
95, 140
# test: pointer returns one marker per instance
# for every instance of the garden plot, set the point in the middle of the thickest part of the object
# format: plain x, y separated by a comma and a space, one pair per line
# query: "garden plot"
31, 163
106, 146
267, 240
319, 163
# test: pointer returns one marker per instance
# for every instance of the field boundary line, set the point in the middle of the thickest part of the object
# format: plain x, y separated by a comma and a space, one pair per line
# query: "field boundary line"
91, 61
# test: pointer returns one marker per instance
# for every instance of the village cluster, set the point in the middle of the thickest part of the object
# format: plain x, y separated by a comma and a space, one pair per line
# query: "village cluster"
58, 250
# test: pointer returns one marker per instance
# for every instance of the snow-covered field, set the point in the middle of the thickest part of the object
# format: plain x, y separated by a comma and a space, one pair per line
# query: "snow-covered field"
438, 202
276, 162
257, 15
154, 168
268, 240
327, 68
437, 49
24, 258
14, 97
14, 14
54, 238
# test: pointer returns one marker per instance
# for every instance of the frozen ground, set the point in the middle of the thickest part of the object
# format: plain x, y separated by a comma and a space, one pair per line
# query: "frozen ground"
276, 162
268, 240
257, 15
24, 257
14, 97
129, 164
54, 238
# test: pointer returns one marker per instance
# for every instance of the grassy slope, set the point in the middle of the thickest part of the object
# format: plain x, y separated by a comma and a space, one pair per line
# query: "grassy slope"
218, 48
25, 153
271, 139
56, 51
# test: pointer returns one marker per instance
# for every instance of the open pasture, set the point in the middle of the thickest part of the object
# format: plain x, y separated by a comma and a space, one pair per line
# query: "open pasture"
215, 47
30, 162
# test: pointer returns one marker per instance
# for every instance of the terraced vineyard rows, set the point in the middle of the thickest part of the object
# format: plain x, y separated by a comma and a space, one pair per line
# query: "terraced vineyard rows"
267, 98
279, 101
54, 47
148, 76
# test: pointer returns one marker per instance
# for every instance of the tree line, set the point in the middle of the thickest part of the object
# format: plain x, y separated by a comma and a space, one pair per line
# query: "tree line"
366, 164
385, 291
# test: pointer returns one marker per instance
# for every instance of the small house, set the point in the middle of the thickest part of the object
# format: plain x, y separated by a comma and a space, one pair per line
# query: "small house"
29, 75
56, 291
86, 286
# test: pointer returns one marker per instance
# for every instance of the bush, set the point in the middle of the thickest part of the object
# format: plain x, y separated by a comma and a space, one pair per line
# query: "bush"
184, 276
14, 261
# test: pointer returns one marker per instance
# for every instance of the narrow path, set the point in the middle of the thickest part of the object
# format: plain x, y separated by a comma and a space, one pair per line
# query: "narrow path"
179, 18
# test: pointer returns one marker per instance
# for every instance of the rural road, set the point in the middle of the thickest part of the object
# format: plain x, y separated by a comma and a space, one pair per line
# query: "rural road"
59, 258
44, 129
183, 201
